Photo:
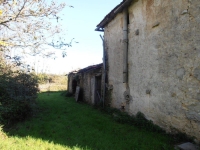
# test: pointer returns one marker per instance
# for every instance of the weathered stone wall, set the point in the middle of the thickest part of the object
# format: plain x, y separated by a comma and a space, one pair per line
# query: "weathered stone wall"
114, 48
163, 62
87, 87
70, 79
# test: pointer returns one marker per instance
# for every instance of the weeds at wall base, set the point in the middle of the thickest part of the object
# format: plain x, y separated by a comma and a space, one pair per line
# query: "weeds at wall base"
141, 122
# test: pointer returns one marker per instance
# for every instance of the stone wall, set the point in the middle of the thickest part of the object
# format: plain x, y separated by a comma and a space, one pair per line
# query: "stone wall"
87, 87
86, 80
70, 79
163, 63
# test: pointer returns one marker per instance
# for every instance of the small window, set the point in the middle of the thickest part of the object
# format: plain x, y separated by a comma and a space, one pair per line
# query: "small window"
128, 21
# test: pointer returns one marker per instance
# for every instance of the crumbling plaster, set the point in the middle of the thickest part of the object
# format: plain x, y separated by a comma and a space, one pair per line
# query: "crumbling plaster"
163, 63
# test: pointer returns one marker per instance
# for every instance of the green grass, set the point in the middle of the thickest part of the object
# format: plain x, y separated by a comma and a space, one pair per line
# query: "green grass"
61, 123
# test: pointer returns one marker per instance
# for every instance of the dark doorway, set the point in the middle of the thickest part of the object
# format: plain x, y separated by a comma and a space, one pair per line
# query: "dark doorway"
74, 84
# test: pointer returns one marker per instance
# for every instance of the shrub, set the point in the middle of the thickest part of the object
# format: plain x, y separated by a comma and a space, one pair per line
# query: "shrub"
68, 94
18, 92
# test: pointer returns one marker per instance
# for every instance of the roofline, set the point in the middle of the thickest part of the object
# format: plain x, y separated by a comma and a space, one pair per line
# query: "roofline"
90, 68
119, 8
86, 69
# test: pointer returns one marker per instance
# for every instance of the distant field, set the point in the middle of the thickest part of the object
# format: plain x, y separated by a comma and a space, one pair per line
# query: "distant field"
52, 87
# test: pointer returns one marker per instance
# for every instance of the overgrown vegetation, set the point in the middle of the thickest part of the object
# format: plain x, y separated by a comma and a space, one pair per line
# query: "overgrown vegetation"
27, 28
64, 124
139, 120
44, 78
68, 94
52, 82
18, 92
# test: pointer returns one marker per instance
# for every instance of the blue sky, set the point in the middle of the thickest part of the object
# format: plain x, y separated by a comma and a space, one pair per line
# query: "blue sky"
79, 23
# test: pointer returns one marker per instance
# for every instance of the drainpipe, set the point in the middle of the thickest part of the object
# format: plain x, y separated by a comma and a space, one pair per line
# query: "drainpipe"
104, 70
125, 45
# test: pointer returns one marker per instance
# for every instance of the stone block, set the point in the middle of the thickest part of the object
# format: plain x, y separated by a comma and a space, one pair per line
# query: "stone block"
180, 73
197, 73
187, 146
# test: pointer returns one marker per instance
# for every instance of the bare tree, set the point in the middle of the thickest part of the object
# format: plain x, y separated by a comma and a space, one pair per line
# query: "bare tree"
27, 24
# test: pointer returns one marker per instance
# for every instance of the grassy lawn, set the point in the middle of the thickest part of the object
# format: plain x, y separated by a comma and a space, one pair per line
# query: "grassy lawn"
64, 124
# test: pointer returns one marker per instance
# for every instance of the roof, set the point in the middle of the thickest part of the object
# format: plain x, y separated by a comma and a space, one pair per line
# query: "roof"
72, 72
89, 68
119, 8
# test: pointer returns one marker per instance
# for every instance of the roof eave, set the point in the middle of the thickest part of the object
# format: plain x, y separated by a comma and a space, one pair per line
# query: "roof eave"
99, 29
113, 13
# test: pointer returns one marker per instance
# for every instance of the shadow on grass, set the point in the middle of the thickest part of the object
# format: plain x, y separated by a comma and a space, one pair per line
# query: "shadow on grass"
63, 121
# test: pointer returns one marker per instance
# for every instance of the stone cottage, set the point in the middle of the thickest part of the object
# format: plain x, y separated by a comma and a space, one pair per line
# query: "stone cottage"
89, 80
152, 58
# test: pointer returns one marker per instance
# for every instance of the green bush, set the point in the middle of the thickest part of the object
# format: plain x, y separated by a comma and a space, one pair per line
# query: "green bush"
18, 92
42, 78
68, 94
